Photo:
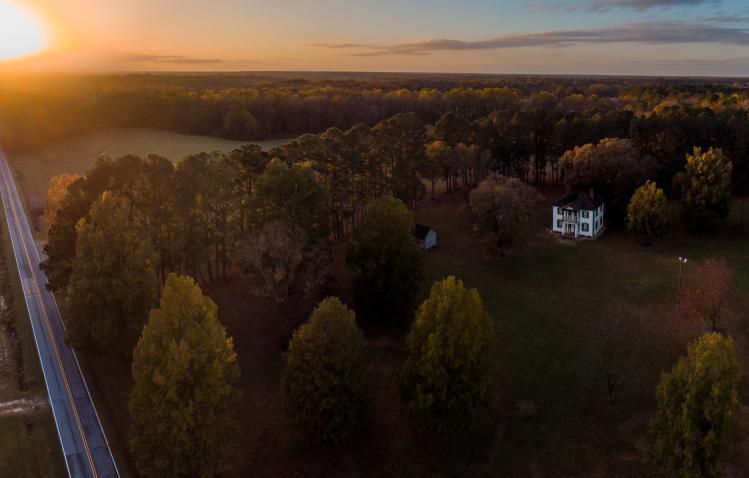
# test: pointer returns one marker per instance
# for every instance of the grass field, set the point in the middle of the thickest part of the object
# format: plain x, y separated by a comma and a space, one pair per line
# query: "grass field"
78, 154
550, 299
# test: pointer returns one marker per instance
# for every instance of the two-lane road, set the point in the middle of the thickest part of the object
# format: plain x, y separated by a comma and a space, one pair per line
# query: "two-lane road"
84, 445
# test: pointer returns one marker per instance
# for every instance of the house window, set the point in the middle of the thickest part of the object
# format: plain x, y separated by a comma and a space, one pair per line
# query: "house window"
585, 214
559, 223
585, 227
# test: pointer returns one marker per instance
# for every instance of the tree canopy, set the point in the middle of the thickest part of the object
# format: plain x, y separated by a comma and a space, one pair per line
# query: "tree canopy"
113, 283
504, 209
323, 389
283, 266
58, 189
705, 187
648, 212
293, 194
448, 375
707, 289
613, 168
385, 260
184, 373
697, 404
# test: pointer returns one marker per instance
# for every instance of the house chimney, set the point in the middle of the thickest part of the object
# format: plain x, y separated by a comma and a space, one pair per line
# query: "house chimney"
592, 195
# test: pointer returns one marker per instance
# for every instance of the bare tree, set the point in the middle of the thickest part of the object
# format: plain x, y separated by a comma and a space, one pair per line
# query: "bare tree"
284, 266
709, 287
614, 346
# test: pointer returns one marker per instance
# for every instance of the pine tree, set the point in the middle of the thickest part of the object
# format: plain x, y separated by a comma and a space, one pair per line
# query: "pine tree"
113, 283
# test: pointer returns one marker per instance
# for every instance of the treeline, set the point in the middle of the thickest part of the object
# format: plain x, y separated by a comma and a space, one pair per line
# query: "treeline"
195, 211
261, 106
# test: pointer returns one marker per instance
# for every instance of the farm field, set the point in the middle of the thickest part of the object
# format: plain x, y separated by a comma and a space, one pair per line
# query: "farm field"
78, 154
551, 301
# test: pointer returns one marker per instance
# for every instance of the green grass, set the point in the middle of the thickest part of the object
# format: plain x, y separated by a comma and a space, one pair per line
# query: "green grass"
76, 155
29, 446
548, 299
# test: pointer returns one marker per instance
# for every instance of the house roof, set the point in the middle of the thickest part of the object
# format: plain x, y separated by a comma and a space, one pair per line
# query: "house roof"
579, 201
421, 231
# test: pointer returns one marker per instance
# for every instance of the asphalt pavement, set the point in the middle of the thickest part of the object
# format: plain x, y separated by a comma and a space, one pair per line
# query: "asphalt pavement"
84, 444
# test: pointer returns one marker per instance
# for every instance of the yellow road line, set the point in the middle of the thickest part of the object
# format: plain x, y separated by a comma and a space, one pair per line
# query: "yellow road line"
43, 308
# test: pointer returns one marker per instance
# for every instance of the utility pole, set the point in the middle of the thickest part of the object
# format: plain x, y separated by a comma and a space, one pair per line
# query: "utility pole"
682, 262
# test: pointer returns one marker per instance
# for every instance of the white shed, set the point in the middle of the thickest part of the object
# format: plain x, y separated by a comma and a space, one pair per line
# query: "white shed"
425, 236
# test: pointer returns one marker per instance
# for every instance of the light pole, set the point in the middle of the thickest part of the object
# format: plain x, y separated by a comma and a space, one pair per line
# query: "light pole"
682, 262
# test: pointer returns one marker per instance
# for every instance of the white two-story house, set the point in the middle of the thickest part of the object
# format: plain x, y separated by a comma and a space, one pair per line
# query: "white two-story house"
578, 214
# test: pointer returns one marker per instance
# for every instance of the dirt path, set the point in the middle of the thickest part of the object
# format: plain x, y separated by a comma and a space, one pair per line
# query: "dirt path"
22, 405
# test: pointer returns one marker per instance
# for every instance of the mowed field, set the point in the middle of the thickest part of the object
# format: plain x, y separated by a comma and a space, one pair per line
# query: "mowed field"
78, 154
553, 302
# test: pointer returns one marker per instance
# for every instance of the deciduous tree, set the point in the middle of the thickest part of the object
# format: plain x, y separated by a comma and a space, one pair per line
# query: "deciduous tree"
323, 387
648, 212
709, 286
613, 167
184, 374
504, 209
385, 261
448, 376
58, 189
705, 187
284, 266
697, 401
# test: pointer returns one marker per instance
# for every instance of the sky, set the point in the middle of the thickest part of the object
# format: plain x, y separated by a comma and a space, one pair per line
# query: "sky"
621, 37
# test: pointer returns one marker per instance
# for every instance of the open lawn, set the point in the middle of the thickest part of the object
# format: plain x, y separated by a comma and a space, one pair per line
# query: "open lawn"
78, 154
553, 301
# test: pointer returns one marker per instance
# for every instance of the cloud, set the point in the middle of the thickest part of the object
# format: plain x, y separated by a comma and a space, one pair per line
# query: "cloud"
722, 17
339, 45
606, 5
643, 5
657, 32
174, 59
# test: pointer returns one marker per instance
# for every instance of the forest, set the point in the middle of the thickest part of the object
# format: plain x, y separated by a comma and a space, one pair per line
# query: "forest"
133, 245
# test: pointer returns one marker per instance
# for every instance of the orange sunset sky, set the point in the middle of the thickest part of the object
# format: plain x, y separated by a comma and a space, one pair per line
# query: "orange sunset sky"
679, 37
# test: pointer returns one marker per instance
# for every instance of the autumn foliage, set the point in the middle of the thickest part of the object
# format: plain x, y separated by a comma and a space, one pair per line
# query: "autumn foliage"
709, 287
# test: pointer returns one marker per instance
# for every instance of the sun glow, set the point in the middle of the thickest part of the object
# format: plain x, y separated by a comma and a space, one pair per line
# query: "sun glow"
20, 33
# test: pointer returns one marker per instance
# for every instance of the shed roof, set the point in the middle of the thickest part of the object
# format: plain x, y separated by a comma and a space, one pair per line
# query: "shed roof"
421, 231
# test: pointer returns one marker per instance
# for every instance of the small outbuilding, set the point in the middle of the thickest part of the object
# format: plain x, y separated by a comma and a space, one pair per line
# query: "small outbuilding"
425, 236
